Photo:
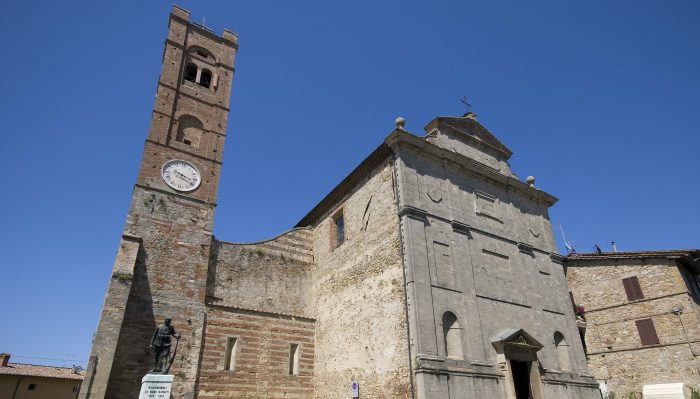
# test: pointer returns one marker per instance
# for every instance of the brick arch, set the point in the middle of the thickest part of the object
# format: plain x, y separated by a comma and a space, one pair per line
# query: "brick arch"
202, 52
189, 130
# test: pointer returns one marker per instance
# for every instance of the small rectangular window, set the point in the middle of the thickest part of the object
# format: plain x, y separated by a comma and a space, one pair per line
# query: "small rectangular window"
231, 349
647, 332
338, 230
632, 288
294, 359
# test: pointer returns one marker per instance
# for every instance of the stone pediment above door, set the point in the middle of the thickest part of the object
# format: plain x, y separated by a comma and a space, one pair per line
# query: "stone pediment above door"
517, 339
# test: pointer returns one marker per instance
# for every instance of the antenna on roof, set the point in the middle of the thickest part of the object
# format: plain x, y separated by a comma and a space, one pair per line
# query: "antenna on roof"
614, 247
569, 246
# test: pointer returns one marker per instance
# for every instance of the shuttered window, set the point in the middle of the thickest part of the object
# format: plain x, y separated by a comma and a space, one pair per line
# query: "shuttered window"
632, 288
647, 332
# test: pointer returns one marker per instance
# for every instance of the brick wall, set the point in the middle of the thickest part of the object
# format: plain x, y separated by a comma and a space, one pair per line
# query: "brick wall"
273, 275
262, 360
169, 279
168, 275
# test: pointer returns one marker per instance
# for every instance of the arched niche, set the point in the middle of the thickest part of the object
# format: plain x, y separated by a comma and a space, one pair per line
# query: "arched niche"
452, 334
563, 351
189, 131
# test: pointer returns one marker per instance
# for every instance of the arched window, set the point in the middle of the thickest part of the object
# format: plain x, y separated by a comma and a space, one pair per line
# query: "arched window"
205, 79
201, 53
453, 336
562, 351
189, 131
191, 72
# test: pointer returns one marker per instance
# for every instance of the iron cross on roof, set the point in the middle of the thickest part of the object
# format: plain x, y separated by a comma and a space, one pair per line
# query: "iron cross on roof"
463, 100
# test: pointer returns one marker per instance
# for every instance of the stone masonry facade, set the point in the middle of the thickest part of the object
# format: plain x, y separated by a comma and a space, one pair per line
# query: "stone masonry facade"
429, 272
480, 255
620, 328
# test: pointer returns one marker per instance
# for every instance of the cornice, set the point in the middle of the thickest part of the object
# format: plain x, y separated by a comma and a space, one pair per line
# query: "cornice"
459, 227
403, 139
413, 212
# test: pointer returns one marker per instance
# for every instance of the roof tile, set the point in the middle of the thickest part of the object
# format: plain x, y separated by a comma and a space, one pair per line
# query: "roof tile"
34, 370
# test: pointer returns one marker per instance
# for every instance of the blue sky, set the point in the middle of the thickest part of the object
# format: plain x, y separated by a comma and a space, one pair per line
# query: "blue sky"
597, 99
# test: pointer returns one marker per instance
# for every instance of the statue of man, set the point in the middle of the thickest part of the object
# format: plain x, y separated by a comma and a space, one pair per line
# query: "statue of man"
161, 344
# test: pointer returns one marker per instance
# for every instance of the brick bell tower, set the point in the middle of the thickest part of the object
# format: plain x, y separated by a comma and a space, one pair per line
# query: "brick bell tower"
162, 260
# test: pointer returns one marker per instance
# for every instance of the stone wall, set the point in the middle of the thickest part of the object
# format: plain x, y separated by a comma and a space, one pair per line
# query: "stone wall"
479, 246
359, 296
273, 275
615, 352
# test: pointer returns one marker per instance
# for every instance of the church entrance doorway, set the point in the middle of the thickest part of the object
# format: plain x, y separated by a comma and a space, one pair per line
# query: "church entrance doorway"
517, 357
521, 379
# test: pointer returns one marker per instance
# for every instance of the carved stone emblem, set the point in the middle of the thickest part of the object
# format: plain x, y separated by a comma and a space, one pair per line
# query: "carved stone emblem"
434, 192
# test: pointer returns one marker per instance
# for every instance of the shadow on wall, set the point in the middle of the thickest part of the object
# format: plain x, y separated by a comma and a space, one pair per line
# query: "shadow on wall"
211, 269
133, 357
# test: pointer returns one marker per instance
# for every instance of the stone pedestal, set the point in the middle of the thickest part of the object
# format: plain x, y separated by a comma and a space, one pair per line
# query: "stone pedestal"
156, 386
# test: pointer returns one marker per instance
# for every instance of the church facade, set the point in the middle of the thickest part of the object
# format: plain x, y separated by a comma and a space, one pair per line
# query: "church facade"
430, 271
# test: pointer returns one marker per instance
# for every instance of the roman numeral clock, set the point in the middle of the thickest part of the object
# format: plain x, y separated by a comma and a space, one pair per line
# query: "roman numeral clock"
181, 175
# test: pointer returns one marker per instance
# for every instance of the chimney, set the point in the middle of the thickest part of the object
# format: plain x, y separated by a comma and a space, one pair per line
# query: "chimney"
4, 359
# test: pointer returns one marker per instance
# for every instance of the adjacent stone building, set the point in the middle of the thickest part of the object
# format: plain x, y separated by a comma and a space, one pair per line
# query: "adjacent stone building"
429, 272
642, 316
31, 381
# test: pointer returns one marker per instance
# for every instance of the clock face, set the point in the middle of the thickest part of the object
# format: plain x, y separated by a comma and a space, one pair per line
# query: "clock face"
180, 175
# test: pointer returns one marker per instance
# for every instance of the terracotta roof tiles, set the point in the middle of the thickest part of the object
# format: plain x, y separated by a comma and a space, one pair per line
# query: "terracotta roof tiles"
33, 370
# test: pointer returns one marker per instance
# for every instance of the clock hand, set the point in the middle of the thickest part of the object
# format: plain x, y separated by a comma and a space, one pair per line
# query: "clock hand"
183, 177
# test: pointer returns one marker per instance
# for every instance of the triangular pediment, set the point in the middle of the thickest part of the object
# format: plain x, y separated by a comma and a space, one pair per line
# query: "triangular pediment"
468, 130
517, 337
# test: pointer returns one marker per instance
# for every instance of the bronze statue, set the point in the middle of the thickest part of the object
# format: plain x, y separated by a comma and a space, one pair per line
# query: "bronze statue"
161, 345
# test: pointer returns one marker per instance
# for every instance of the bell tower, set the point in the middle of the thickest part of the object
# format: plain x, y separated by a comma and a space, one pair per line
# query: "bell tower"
162, 261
